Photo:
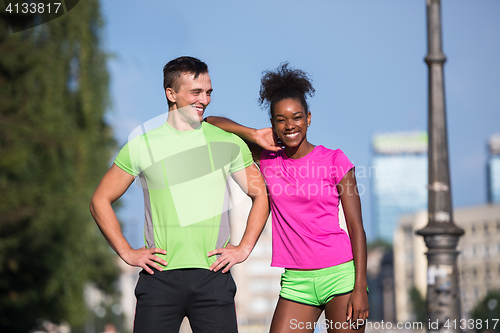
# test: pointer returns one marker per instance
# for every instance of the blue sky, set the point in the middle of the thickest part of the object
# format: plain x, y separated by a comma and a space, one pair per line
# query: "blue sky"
365, 58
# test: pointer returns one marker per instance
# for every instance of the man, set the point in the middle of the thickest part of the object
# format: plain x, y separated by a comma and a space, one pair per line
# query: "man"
184, 167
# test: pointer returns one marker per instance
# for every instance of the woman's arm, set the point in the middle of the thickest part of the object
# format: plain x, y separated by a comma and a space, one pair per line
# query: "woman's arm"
257, 139
357, 307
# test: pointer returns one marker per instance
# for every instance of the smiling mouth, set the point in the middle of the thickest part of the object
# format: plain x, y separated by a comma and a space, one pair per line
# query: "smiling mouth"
291, 135
198, 108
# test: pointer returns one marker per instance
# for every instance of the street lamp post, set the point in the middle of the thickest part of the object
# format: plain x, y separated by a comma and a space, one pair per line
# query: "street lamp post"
441, 235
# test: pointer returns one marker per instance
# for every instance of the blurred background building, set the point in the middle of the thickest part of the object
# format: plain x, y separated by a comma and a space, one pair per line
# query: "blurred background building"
400, 179
398, 187
127, 282
478, 262
494, 169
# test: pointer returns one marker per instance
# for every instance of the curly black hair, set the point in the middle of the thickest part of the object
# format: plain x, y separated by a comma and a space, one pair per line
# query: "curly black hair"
285, 83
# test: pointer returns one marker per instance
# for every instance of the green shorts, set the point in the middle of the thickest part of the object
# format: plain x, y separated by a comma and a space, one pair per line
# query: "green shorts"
317, 287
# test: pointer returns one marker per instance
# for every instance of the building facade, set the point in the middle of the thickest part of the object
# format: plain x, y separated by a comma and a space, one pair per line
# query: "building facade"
400, 179
478, 261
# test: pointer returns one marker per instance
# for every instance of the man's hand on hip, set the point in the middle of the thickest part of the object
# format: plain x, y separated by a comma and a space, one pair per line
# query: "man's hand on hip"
144, 258
229, 256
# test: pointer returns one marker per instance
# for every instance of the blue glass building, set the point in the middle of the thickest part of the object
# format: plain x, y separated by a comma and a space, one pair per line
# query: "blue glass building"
399, 180
494, 169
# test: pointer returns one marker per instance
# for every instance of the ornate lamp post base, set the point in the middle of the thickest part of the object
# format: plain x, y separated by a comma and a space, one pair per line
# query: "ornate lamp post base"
443, 298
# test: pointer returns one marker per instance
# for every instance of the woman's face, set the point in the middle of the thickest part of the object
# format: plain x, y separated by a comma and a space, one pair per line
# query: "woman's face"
290, 122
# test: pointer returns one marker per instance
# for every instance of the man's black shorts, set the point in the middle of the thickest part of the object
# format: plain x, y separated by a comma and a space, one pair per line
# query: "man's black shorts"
165, 298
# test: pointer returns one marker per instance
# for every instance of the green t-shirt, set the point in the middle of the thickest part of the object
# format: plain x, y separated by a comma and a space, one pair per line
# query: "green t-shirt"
184, 176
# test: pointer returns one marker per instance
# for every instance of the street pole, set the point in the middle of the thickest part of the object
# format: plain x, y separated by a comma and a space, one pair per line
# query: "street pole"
441, 235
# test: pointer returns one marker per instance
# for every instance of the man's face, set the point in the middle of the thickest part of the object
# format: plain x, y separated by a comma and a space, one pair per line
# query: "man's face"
192, 97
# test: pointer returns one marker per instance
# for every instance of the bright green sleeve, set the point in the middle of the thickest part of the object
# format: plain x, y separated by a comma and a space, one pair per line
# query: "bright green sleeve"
129, 158
241, 156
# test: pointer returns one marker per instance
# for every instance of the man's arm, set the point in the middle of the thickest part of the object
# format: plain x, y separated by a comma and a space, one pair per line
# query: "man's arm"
256, 139
358, 307
251, 182
112, 186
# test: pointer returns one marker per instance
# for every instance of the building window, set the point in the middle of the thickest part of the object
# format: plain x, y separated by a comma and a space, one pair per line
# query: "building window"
409, 233
473, 229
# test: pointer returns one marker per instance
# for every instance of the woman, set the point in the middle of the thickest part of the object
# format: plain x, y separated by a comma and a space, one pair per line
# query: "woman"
325, 269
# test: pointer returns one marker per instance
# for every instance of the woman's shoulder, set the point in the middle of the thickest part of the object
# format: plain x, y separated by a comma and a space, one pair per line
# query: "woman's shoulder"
334, 156
322, 150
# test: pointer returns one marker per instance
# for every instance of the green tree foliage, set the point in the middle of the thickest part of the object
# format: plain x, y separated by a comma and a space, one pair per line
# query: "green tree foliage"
487, 312
418, 305
55, 147
379, 243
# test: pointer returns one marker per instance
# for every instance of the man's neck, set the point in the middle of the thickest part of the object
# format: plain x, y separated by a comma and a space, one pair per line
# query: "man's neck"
178, 122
